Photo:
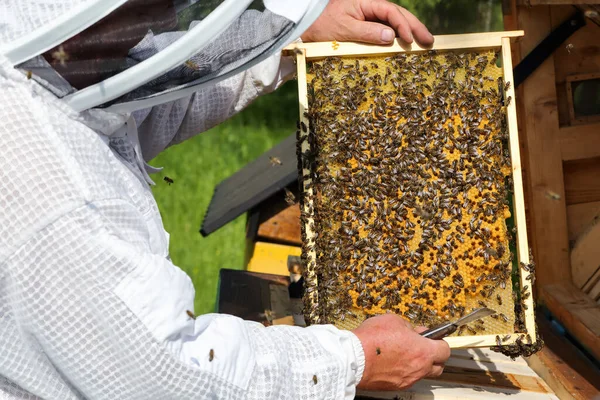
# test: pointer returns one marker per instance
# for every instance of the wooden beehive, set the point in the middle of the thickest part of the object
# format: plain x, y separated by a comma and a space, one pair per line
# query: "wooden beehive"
390, 225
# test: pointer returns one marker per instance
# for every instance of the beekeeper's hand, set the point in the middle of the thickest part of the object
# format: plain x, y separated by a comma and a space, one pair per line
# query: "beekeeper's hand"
369, 21
396, 356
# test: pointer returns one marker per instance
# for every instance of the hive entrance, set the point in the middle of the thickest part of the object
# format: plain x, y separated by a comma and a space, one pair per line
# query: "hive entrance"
409, 201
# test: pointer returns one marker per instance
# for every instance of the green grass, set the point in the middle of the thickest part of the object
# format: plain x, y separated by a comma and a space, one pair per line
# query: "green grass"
197, 166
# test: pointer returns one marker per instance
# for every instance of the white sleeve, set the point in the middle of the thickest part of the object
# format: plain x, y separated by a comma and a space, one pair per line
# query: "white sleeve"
110, 315
171, 123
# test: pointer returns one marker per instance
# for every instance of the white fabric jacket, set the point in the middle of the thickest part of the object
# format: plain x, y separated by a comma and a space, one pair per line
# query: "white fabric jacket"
90, 304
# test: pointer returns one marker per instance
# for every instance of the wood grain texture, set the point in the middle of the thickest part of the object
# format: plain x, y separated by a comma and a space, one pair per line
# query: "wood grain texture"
444, 42
576, 370
579, 216
518, 194
580, 141
475, 374
576, 312
279, 222
581, 180
539, 121
579, 54
563, 367
585, 255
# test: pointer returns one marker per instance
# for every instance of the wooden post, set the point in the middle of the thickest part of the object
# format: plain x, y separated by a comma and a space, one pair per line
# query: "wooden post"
543, 152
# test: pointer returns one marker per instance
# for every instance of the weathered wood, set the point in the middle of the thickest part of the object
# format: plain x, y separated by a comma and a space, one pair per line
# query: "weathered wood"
539, 121
581, 180
579, 217
580, 142
579, 54
475, 374
577, 312
585, 255
592, 282
563, 367
445, 42
279, 222
518, 194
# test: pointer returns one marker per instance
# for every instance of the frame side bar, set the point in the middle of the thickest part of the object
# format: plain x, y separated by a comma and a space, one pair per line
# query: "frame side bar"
519, 196
312, 296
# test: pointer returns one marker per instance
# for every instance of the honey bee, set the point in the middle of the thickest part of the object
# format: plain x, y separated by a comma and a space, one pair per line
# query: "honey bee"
378, 350
29, 74
190, 314
61, 56
211, 355
275, 161
315, 380
289, 197
168, 180
552, 195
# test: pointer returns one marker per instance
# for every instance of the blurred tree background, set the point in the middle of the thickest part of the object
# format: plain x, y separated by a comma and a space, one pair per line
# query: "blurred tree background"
199, 164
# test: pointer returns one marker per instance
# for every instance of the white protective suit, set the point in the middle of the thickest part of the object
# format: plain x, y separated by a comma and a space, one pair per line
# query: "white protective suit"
90, 304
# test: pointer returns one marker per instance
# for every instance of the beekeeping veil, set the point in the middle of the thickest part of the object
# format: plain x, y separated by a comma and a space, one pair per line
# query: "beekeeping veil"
132, 54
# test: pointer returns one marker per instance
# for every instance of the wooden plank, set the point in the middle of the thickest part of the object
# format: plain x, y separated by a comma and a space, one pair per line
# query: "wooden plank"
279, 222
458, 342
594, 292
579, 54
581, 180
585, 255
580, 369
518, 194
592, 282
566, 383
485, 355
580, 141
539, 120
579, 217
563, 367
443, 42
269, 258
577, 312
466, 383
311, 299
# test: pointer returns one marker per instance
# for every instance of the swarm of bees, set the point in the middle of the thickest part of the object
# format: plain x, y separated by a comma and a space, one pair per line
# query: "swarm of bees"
409, 178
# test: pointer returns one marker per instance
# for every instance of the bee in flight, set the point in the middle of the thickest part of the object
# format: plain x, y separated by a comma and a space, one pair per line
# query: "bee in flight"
275, 161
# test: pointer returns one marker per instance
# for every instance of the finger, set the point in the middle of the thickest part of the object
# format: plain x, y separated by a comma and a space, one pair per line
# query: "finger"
440, 351
436, 370
418, 29
369, 32
420, 329
390, 14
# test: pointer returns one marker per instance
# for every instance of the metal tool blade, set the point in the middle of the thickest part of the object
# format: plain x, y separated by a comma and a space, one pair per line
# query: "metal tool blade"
474, 316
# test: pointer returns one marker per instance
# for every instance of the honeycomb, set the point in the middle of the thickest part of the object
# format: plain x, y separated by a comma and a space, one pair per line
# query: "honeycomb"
410, 176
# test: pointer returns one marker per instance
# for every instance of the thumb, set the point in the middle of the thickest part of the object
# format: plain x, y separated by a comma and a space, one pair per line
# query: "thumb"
370, 32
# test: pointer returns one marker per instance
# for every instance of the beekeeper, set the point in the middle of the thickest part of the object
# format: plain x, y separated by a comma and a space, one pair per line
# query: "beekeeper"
90, 304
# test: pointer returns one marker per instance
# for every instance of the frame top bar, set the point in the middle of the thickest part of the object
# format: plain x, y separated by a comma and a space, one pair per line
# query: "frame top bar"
443, 42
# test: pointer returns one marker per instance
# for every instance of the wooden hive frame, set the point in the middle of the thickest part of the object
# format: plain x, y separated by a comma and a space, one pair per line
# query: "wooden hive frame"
482, 41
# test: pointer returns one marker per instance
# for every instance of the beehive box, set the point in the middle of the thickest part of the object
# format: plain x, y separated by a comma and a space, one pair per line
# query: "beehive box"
408, 159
